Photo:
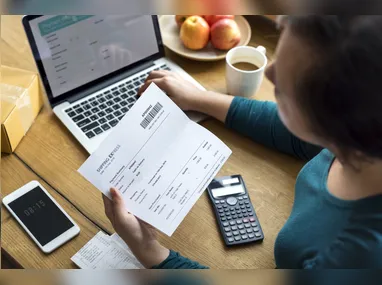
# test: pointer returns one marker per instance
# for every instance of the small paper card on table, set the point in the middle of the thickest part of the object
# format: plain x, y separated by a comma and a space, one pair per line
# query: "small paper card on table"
106, 252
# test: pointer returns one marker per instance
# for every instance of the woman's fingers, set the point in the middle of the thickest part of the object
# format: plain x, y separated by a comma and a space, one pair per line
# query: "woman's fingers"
108, 204
118, 202
157, 74
144, 87
158, 81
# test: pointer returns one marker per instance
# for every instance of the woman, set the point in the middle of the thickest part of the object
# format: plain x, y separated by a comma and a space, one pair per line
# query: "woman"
327, 77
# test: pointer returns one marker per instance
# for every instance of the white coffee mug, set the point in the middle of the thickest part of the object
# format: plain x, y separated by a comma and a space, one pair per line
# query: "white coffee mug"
241, 82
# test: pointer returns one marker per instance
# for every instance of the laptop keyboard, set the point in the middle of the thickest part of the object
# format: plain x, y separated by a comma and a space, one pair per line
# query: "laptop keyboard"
103, 112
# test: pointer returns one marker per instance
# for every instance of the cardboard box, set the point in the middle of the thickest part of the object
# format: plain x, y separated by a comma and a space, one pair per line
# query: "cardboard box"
21, 102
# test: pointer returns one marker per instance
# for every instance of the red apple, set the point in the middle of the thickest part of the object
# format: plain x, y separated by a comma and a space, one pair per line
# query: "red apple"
225, 34
212, 19
180, 19
195, 33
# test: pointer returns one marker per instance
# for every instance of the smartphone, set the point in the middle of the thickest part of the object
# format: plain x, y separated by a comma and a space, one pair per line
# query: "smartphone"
41, 216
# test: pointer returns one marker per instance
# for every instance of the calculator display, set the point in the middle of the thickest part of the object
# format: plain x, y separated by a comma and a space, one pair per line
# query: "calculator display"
228, 190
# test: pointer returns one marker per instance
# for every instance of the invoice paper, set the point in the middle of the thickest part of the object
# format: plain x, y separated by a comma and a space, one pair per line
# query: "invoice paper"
105, 252
159, 160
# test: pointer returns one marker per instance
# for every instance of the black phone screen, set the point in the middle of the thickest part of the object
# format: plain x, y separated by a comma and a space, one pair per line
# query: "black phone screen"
40, 215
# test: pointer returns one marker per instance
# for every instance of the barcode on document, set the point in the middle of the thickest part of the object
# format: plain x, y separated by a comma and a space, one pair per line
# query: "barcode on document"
151, 115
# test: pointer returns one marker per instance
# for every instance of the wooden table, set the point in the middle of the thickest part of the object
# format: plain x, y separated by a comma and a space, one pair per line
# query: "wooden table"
51, 155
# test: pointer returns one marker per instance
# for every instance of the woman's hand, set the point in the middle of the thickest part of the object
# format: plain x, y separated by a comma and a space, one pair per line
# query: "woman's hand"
138, 235
189, 97
184, 93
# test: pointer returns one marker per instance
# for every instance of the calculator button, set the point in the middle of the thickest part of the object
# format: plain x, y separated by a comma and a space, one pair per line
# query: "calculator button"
246, 202
232, 209
240, 216
248, 206
232, 223
235, 233
241, 227
221, 211
240, 198
245, 215
243, 207
238, 222
242, 232
222, 215
252, 219
225, 206
226, 210
253, 224
227, 229
225, 224
249, 230
250, 214
231, 201
229, 218
249, 211
237, 208
217, 202
234, 228
245, 220
244, 236
237, 238
219, 207
257, 235
247, 226
223, 219
230, 240
234, 217
238, 212
245, 197
228, 234
256, 229
251, 235
241, 203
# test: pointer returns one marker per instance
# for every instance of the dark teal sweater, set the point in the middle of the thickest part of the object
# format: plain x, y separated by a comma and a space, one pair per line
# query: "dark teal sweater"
322, 230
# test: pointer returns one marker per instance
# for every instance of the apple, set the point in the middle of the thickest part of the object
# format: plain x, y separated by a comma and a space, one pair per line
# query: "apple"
225, 34
180, 19
212, 19
195, 33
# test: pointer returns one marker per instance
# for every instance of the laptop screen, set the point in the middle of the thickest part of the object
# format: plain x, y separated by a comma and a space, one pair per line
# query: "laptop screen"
75, 50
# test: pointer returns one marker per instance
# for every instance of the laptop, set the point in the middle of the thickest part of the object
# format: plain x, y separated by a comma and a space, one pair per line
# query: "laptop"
93, 66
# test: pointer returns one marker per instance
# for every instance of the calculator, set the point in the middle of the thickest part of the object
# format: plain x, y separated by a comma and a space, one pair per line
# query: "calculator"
234, 211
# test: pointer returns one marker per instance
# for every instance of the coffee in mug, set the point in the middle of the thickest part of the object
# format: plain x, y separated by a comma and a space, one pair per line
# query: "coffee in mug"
245, 67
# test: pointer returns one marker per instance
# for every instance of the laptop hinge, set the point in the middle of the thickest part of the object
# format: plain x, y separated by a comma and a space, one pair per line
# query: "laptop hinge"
109, 82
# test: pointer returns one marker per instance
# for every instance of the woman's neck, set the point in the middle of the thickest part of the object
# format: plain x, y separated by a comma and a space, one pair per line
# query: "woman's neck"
363, 179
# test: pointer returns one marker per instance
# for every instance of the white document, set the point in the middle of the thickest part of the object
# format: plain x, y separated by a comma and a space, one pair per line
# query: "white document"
103, 252
159, 160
